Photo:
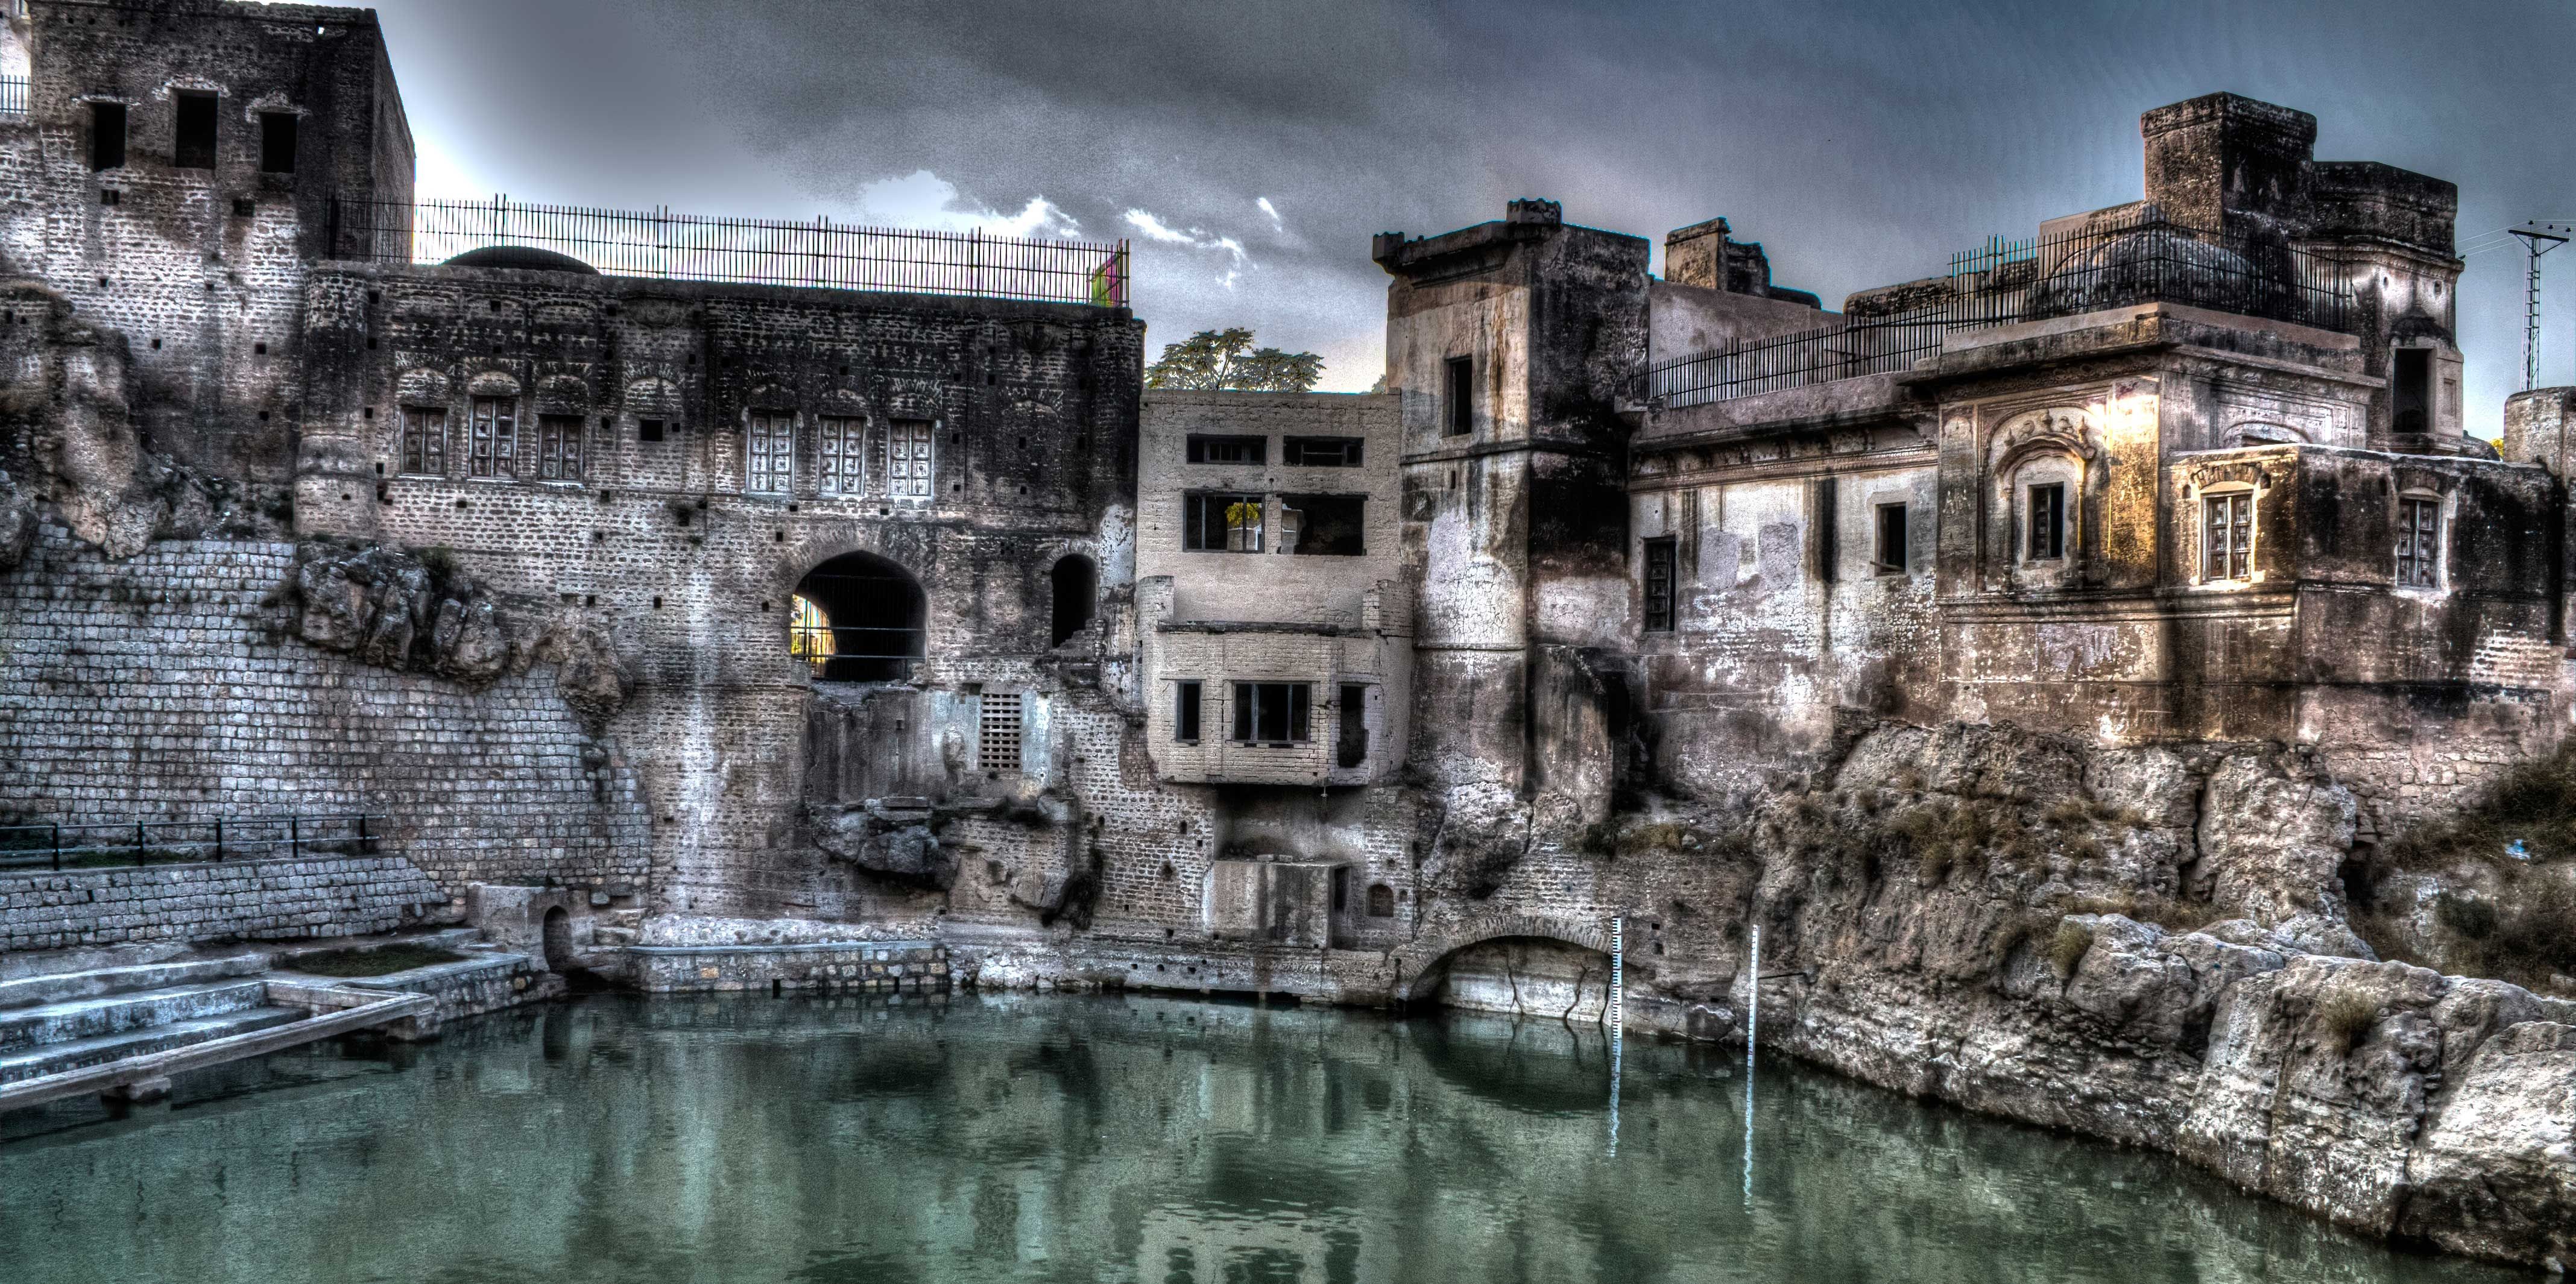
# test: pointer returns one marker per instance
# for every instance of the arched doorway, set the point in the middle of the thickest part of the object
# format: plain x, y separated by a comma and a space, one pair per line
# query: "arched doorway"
558, 937
859, 618
1077, 591
1526, 976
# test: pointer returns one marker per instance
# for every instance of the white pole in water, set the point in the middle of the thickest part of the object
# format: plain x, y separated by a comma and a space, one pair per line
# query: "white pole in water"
1752, 1025
1618, 1016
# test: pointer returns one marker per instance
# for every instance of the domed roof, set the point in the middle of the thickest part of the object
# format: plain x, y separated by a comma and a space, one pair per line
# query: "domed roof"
525, 258
2143, 266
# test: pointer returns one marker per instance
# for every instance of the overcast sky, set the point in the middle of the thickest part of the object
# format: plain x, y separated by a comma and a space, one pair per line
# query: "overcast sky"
1250, 149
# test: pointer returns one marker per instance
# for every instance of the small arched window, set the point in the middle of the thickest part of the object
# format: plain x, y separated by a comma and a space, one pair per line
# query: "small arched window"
1381, 901
1077, 588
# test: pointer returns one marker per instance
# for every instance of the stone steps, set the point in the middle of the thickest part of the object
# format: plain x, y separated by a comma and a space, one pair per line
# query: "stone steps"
88, 983
98, 1050
23, 1029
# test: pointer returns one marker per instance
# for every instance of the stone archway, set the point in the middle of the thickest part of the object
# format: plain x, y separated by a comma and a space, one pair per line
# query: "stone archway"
1424, 962
859, 618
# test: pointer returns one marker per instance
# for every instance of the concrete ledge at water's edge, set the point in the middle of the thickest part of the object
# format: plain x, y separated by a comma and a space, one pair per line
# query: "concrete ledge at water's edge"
906, 967
484, 982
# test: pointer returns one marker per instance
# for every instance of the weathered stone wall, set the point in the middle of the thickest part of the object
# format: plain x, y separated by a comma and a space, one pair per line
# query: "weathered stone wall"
885, 967
167, 687
258, 900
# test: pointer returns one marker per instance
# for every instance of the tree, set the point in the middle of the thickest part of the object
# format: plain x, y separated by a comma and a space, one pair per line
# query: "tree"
1222, 360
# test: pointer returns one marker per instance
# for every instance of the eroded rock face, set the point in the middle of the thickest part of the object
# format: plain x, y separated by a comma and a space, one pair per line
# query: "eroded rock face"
895, 846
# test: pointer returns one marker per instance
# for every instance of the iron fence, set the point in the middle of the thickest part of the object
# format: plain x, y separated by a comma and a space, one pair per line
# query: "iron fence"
13, 95
114, 844
658, 243
1844, 351
2144, 258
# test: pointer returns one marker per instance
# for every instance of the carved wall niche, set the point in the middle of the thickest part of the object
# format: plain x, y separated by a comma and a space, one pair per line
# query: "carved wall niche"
2031, 545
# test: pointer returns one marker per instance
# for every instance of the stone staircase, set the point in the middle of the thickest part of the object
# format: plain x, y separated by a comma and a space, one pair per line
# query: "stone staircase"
75, 1020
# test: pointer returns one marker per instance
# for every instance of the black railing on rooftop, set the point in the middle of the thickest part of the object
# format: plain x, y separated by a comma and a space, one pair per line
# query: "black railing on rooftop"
1843, 351
13, 95
658, 243
115, 844
2144, 258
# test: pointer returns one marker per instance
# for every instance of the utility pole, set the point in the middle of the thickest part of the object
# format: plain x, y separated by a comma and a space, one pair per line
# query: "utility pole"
2538, 239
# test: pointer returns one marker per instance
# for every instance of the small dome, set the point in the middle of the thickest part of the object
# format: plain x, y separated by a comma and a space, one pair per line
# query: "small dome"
525, 258
2145, 266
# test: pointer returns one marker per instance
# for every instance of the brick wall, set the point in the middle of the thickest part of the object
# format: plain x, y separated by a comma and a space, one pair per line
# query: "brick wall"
263, 900
157, 688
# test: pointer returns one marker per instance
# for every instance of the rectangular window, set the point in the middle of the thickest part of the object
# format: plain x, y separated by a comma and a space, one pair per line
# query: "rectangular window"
2419, 543
494, 450
998, 733
2227, 541
1221, 522
2411, 391
2047, 522
1891, 559
840, 446
1460, 401
648, 430
559, 447
771, 444
194, 147
908, 459
1320, 452
1341, 888
1350, 747
1323, 525
1228, 450
106, 135
424, 441
1186, 698
1829, 539
1659, 585
1272, 713
277, 142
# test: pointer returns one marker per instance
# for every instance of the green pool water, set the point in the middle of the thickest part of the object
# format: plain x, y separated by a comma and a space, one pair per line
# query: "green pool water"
753, 1138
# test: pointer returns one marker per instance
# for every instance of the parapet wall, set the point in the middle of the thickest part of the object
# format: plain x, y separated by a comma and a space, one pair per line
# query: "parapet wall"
265, 900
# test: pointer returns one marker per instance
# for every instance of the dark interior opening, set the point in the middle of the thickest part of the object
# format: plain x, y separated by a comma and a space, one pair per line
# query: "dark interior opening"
2411, 391
1350, 745
1077, 588
1323, 525
195, 147
277, 142
866, 620
558, 939
106, 135
1891, 539
1461, 394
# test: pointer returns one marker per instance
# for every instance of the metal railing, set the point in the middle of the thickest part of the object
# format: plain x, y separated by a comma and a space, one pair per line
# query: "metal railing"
13, 95
1843, 351
857, 653
2144, 258
658, 243
117, 844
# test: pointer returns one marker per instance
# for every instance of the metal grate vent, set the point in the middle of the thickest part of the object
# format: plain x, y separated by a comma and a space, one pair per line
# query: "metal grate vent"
997, 745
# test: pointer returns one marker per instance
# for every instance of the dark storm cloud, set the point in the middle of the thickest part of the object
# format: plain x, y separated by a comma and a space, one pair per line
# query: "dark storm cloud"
1860, 144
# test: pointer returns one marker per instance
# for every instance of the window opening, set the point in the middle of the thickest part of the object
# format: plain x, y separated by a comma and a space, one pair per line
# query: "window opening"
2411, 391
1077, 584
1461, 398
1829, 552
1891, 559
1341, 888
840, 447
106, 135
1659, 585
1320, 452
2419, 543
1273, 713
195, 145
1323, 525
1350, 746
1221, 522
1381, 901
559, 447
908, 459
424, 441
1228, 450
2227, 544
2047, 522
809, 632
1186, 700
772, 447
494, 449
648, 430
277, 142
867, 621
998, 731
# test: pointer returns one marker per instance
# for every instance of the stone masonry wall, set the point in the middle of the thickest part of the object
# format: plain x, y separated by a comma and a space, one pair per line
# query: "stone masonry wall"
157, 688
251, 899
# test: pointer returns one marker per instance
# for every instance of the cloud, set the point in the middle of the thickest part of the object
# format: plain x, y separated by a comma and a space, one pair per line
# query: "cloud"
922, 199
1273, 212
1155, 229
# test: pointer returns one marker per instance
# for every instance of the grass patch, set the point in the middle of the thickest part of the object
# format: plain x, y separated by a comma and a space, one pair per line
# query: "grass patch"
2534, 804
2067, 949
2347, 1015
383, 960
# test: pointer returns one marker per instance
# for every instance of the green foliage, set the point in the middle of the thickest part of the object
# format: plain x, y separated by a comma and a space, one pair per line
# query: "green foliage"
2466, 915
384, 960
1225, 360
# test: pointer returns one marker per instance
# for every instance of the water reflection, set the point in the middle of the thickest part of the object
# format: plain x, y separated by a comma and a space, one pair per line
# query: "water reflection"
1093, 1139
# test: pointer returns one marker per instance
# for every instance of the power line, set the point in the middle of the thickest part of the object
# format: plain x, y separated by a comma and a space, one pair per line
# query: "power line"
2539, 239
